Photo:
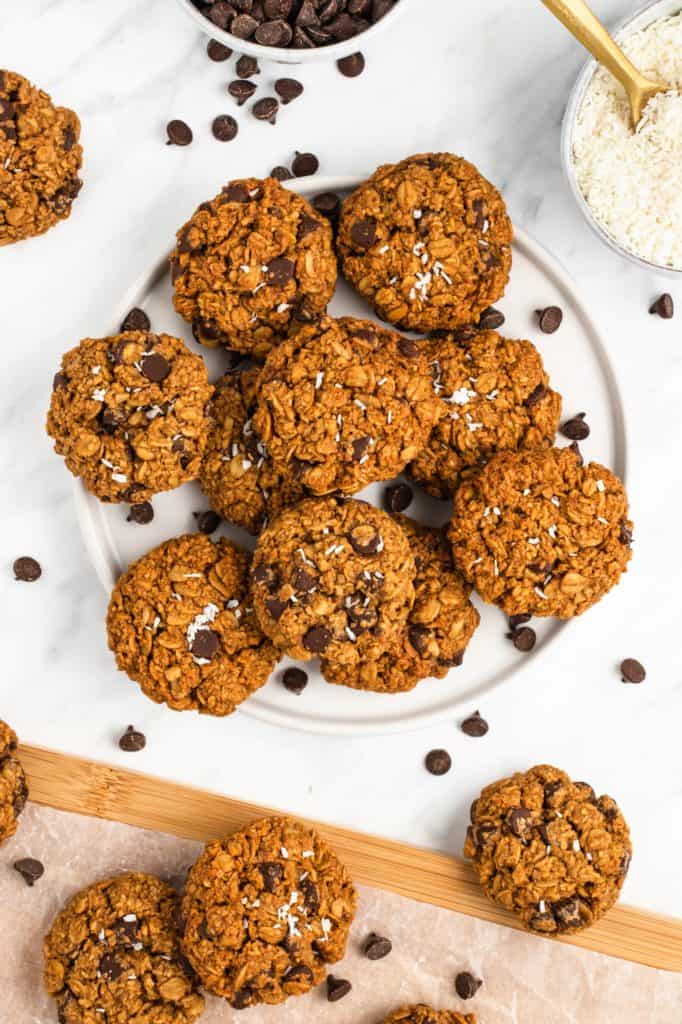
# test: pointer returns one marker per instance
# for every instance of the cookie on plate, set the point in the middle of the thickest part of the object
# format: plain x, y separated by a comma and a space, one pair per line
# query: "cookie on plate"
494, 395
13, 787
113, 954
264, 911
427, 242
439, 625
251, 262
540, 533
547, 849
422, 1014
129, 414
40, 158
333, 577
181, 625
344, 402
237, 474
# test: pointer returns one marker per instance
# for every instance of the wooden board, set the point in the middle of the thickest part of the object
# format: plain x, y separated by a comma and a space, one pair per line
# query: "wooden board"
85, 787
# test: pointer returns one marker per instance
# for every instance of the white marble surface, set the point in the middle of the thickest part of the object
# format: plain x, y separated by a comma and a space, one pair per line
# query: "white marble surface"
489, 80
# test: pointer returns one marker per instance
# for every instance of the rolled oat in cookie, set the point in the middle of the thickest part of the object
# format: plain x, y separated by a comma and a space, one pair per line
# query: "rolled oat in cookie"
250, 263
343, 403
40, 158
113, 955
129, 414
427, 242
181, 625
422, 1014
13, 786
265, 911
333, 577
548, 849
538, 533
494, 395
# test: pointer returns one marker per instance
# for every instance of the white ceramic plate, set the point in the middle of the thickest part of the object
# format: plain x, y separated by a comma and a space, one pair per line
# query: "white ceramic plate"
579, 369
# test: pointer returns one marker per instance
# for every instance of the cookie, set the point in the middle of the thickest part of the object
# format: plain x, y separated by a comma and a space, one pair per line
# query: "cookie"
40, 157
427, 242
113, 955
332, 577
251, 262
548, 850
181, 625
439, 625
344, 402
129, 414
237, 474
538, 533
264, 911
422, 1014
13, 787
494, 395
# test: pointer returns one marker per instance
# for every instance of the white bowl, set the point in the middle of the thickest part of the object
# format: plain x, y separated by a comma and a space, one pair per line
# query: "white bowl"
293, 56
641, 19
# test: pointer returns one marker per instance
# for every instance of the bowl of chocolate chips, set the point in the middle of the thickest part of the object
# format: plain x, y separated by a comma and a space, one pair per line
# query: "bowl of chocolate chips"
294, 31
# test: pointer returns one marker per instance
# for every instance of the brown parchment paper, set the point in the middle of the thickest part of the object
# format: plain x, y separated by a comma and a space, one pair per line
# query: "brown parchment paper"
527, 980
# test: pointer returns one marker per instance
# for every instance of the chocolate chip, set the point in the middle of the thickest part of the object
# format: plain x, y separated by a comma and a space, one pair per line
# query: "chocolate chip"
575, 429
466, 985
550, 790
247, 67
295, 680
218, 51
281, 174
205, 644
536, 395
317, 639
337, 988
266, 109
305, 164
311, 896
236, 193
141, 513
275, 608
625, 535
549, 319
131, 741
59, 381
280, 271
274, 33
224, 128
632, 671
438, 762
243, 27
27, 569
275, 9
567, 913
523, 638
664, 307
242, 998
300, 974
241, 91
520, 822
376, 947
408, 348
360, 446
419, 637
306, 226
155, 367
271, 873
136, 320
518, 620
288, 89
179, 133
29, 869
575, 448
363, 233
328, 204
304, 581
491, 319
207, 522
366, 540
221, 13
351, 66
397, 498
474, 725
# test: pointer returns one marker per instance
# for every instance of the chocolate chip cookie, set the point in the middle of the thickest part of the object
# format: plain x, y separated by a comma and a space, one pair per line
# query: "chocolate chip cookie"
439, 625
333, 577
180, 624
264, 911
494, 395
548, 849
129, 414
13, 787
113, 955
250, 263
427, 242
237, 474
422, 1014
538, 533
344, 402
40, 157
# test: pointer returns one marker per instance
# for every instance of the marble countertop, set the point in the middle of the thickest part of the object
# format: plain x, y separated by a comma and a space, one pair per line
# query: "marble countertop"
487, 80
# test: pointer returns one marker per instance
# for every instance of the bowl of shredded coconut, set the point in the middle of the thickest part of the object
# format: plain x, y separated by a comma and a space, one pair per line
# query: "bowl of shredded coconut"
628, 182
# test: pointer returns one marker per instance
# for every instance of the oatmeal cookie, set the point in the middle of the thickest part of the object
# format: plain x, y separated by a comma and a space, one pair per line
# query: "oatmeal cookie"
439, 625
113, 955
333, 577
129, 414
264, 911
494, 396
237, 474
13, 787
180, 623
250, 263
427, 242
344, 402
39, 159
538, 533
422, 1014
547, 849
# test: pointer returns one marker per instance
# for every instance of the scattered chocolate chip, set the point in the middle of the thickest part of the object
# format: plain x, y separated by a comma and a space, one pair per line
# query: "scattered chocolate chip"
141, 513
29, 869
337, 988
632, 671
205, 644
328, 204
536, 395
474, 726
218, 51
155, 367
523, 638
376, 947
288, 89
317, 639
179, 133
281, 173
305, 164
519, 620
663, 307
295, 680
397, 498
207, 521
224, 128
576, 429
280, 271
363, 233
408, 348
491, 319
466, 985
266, 109
241, 91
549, 319
131, 741
365, 540
438, 762
27, 569
136, 320
351, 66
247, 67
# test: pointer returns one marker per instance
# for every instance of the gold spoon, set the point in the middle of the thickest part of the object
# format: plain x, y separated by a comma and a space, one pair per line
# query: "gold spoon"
588, 30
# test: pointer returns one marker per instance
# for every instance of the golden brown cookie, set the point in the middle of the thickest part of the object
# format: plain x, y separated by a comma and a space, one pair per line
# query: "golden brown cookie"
494, 396
439, 625
427, 242
332, 577
264, 911
13, 787
344, 402
180, 623
538, 533
422, 1014
129, 414
548, 850
113, 955
237, 474
249, 263
39, 159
